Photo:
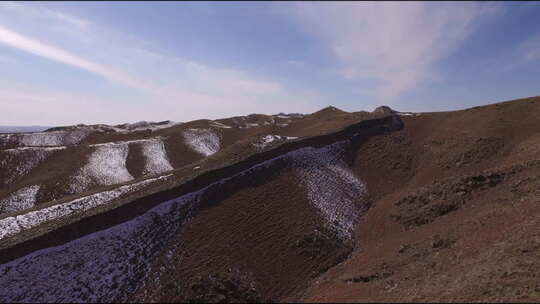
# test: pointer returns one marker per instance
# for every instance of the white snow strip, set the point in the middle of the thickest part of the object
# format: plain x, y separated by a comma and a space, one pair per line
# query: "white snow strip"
249, 125
408, 114
217, 124
203, 141
155, 155
9, 227
24, 198
18, 162
269, 139
125, 142
15, 150
105, 166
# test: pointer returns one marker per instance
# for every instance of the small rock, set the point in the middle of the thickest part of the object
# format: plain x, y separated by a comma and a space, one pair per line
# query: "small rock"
402, 248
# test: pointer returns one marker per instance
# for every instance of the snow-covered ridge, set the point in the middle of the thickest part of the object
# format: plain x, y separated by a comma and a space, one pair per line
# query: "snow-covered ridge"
124, 128
285, 115
20, 161
24, 198
146, 125
203, 141
45, 139
13, 225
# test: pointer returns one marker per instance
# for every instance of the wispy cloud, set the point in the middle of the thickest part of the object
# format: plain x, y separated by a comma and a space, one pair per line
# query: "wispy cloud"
529, 50
38, 12
171, 87
397, 44
51, 52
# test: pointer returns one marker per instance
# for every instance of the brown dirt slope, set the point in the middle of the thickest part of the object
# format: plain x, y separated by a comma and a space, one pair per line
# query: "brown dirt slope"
455, 214
55, 171
258, 229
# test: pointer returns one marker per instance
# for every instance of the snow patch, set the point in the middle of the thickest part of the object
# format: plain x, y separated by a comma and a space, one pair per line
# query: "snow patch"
203, 141
249, 125
269, 139
21, 199
408, 114
7, 140
155, 155
217, 124
105, 166
19, 161
332, 187
284, 115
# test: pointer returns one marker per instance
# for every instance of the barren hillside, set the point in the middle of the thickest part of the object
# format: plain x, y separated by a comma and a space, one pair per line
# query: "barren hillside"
330, 206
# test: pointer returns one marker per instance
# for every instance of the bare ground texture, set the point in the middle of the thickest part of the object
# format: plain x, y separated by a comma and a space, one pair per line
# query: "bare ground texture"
455, 211
326, 207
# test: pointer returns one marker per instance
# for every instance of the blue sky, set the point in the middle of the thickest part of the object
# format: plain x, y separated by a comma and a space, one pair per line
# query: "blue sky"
113, 62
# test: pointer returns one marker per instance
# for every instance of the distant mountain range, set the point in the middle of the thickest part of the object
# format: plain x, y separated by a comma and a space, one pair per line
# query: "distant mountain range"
17, 129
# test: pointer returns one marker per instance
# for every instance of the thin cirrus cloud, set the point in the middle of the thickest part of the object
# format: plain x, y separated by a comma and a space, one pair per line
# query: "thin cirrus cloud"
396, 44
179, 89
28, 44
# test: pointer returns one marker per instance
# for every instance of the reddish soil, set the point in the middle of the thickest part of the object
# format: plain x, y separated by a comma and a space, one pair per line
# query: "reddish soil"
455, 212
